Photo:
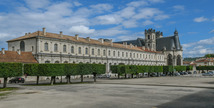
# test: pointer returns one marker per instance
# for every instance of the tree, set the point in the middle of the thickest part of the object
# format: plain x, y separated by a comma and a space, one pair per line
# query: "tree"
52, 70
70, 69
10, 70
32, 70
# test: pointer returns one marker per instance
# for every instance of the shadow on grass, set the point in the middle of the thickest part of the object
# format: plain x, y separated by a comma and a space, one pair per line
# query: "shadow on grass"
202, 99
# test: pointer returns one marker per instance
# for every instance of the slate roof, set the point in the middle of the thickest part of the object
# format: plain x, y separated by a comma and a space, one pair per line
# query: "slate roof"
13, 56
83, 40
168, 42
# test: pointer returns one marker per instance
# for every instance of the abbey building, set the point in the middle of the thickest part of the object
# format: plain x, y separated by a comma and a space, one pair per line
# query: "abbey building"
59, 48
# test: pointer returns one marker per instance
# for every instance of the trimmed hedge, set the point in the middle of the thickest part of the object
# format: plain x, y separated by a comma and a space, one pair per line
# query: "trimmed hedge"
180, 68
10, 70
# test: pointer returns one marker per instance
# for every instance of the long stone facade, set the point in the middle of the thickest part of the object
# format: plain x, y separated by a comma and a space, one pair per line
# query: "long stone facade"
59, 48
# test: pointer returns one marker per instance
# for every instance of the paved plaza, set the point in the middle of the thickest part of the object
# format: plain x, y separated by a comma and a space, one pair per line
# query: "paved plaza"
156, 92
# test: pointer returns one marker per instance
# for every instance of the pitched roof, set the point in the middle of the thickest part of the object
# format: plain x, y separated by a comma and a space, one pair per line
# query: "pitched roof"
83, 40
13, 56
168, 42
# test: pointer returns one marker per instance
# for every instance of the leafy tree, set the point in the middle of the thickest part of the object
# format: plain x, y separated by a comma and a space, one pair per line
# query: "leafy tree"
32, 70
10, 70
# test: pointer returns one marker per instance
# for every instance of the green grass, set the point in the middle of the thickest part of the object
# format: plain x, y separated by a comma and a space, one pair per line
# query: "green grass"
8, 89
3, 94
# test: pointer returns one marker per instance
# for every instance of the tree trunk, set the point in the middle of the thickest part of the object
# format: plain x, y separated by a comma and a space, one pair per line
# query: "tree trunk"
137, 75
68, 79
5, 82
61, 80
52, 80
95, 77
125, 76
37, 80
148, 74
81, 78
132, 75
118, 75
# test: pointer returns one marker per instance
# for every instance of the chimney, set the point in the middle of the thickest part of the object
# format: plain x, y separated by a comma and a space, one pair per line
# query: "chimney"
2, 50
88, 38
143, 47
61, 35
26, 34
135, 45
111, 42
125, 44
130, 45
44, 31
101, 40
77, 36
29, 33
19, 51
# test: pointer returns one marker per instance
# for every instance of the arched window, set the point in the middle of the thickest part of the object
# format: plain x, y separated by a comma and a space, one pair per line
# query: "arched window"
86, 50
55, 47
122, 54
72, 49
126, 54
109, 53
56, 61
46, 47
98, 51
79, 50
22, 46
104, 52
118, 54
169, 59
47, 61
178, 60
113, 53
92, 51
64, 48
130, 54
65, 61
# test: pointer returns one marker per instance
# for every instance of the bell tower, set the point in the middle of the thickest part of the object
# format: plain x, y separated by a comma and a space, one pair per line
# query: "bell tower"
150, 39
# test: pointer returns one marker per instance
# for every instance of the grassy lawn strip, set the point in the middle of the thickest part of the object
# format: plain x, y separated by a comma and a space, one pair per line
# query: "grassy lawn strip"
48, 84
8, 89
4, 94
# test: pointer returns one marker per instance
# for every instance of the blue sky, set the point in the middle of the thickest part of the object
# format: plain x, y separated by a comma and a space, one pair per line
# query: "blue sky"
113, 19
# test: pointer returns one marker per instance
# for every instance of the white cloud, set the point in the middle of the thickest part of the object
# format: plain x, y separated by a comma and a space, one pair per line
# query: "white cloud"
130, 23
212, 31
101, 7
81, 30
200, 19
111, 32
77, 3
109, 19
199, 48
147, 22
179, 8
36, 4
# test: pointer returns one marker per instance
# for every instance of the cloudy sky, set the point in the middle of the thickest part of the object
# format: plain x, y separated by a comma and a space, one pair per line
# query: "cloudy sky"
113, 19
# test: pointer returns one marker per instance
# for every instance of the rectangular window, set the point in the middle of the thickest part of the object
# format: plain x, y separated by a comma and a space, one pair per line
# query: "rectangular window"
80, 50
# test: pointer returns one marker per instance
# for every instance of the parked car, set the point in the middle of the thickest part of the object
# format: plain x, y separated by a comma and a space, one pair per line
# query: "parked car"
17, 80
185, 73
153, 74
189, 72
163, 74
181, 73
177, 74
207, 74
195, 72
104, 76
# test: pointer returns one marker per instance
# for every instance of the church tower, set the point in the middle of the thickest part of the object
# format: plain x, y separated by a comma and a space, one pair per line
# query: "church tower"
150, 39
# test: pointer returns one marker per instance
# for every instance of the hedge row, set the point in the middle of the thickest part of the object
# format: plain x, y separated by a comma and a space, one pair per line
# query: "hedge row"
205, 68
133, 69
10, 70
